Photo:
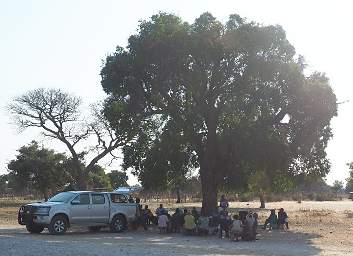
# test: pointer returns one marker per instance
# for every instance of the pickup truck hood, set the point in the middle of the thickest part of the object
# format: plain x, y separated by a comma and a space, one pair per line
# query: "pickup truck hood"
45, 204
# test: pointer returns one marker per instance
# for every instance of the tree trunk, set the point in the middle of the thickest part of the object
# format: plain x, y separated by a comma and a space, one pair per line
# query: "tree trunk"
208, 166
178, 195
45, 195
82, 180
209, 195
209, 187
262, 200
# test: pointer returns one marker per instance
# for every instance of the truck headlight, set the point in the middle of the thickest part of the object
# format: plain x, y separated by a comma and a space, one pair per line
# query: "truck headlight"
42, 210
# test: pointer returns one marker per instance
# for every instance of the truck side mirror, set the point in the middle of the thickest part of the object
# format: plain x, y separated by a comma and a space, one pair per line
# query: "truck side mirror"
75, 202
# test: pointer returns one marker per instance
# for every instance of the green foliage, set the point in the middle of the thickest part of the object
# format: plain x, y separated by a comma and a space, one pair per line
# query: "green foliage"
338, 186
118, 179
213, 96
349, 180
39, 168
98, 178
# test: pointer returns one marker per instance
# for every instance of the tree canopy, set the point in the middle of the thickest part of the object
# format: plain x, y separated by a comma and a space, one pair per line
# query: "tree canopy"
39, 168
118, 179
235, 93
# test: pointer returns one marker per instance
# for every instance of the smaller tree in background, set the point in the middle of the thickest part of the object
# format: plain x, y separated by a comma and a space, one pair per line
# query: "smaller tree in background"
98, 179
349, 180
118, 179
39, 168
59, 116
338, 186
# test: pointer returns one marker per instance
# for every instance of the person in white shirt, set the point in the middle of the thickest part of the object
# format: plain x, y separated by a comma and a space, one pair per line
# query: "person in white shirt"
162, 223
237, 229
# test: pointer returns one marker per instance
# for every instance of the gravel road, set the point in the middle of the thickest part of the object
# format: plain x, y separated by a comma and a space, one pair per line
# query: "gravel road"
17, 242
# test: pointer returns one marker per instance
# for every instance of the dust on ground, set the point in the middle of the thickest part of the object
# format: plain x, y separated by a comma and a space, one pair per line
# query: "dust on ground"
316, 228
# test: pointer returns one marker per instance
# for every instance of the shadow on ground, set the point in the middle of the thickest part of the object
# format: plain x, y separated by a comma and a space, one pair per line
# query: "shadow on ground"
80, 242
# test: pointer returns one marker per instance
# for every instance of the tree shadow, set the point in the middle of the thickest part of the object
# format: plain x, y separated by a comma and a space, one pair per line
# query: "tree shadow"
150, 242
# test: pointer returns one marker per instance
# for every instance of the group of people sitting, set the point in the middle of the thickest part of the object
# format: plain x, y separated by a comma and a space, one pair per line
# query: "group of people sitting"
279, 221
242, 225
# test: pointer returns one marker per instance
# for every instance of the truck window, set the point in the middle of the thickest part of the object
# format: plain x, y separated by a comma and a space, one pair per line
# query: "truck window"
98, 199
82, 198
118, 198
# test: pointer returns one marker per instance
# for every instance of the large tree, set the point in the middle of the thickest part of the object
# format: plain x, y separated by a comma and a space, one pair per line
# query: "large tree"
236, 93
59, 116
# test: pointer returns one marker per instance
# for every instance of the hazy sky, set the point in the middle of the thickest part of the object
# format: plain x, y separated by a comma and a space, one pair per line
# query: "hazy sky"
62, 43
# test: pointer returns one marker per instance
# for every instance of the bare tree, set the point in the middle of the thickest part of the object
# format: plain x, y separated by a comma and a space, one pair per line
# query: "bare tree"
58, 115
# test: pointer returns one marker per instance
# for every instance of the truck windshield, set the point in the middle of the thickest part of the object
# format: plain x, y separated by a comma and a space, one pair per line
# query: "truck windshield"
63, 197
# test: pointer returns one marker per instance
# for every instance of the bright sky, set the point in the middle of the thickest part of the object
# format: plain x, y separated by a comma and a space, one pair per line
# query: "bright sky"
62, 43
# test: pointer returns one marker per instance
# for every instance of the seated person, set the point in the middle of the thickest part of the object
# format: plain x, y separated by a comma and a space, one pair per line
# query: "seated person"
214, 222
162, 223
282, 219
249, 232
271, 220
189, 223
203, 225
237, 229
177, 221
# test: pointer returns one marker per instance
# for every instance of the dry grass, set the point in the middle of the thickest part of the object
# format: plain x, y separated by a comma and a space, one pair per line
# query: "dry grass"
9, 208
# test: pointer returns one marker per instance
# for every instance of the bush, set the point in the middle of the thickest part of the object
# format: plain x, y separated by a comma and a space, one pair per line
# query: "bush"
274, 198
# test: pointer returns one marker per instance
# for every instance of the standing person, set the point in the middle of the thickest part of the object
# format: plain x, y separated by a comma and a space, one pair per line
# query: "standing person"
237, 229
162, 223
282, 219
189, 223
223, 202
148, 215
160, 210
224, 224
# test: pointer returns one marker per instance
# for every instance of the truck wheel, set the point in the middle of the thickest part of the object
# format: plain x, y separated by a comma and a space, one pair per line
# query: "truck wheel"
58, 225
94, 229
34, 229
118, 224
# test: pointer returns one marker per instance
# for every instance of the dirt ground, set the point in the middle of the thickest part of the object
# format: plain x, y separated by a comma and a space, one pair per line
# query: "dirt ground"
316, 228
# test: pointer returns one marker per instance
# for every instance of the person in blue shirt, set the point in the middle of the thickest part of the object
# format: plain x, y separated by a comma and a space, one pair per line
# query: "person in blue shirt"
272, 220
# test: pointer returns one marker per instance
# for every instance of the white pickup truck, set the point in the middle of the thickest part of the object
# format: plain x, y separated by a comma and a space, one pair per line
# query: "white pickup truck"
83, 208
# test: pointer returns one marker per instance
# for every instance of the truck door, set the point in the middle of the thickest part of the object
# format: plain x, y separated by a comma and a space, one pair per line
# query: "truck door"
100, 208
79, 209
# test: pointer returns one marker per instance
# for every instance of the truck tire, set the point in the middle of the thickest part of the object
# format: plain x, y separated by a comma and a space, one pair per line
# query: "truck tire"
94, 229
58, 225
118, 224
34, 229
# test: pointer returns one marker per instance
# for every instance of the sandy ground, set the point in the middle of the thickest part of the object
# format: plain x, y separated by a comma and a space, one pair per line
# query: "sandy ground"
316, 228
